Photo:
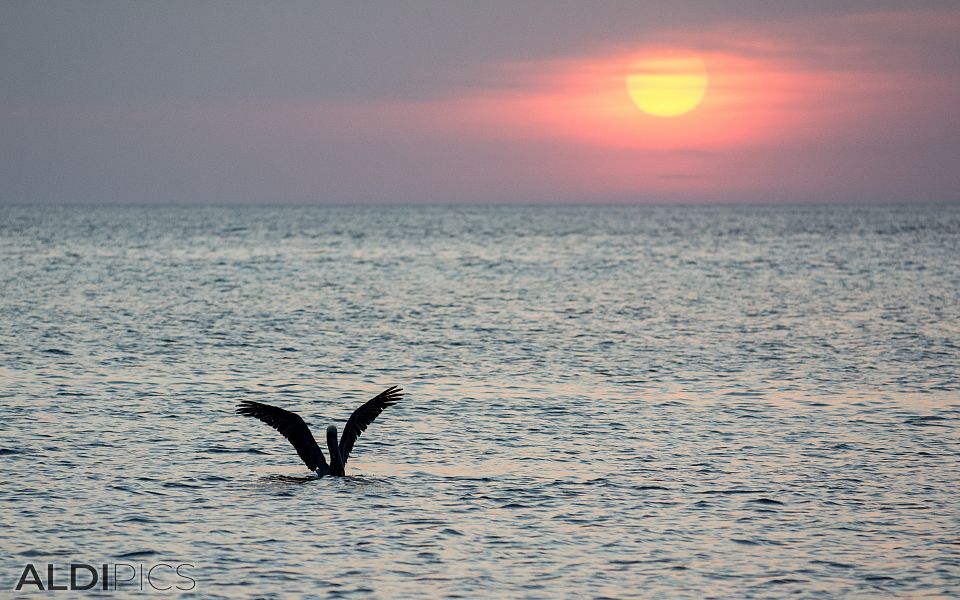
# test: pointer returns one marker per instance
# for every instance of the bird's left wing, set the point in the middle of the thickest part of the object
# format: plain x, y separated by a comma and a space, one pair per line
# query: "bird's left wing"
365, 415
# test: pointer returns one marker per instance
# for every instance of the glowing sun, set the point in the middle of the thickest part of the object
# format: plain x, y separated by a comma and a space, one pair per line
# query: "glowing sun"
667, 85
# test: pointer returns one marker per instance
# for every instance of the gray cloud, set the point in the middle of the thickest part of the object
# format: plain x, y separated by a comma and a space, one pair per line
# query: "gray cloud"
78, 78
119, 51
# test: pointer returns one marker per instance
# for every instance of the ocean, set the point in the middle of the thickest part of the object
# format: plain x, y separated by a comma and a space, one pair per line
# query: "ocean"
600, 402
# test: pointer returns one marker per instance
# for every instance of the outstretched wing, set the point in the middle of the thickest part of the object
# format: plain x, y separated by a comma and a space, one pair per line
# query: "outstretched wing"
365, 415
291, 426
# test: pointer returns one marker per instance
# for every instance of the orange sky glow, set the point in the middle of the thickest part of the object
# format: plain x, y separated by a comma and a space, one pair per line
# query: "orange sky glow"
757, 102
777, 111
858, 106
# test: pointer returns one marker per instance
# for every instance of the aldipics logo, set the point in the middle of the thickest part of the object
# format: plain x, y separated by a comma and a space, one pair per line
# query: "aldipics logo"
78, 577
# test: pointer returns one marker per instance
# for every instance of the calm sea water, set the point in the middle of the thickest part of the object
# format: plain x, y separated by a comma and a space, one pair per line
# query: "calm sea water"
601, 402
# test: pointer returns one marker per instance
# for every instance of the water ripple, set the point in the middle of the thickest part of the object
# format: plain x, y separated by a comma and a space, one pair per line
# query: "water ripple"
601, 402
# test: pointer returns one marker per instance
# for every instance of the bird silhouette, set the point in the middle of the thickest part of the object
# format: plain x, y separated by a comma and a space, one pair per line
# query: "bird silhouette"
293, 427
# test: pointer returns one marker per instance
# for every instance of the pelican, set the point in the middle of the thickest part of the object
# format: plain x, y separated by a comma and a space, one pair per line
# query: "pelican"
292, 426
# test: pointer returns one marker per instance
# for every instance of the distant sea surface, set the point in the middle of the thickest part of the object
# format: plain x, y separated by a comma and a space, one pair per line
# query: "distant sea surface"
618, 402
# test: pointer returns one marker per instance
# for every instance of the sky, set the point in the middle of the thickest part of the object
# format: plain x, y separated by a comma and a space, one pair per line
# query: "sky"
200, 102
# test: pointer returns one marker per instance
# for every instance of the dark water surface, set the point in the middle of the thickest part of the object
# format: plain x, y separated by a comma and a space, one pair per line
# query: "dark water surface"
620, 402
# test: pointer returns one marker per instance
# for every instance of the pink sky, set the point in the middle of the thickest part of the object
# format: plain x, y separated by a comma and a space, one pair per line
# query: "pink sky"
826, 108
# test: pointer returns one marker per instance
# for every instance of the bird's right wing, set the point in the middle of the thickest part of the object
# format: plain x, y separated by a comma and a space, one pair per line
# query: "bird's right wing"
291, 426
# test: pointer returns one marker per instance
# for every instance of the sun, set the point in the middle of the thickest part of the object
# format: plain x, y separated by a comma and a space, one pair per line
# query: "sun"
667, 85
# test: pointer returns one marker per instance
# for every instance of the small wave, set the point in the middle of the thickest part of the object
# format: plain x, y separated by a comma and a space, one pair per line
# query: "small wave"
138, 554
834, 564
222, 450
927, 421
137, 519
785, 581
755, 542
178, 484
291, 479
766, 501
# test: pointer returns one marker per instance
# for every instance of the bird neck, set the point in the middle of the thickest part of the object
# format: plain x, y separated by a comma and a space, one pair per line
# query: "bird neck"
336, 461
